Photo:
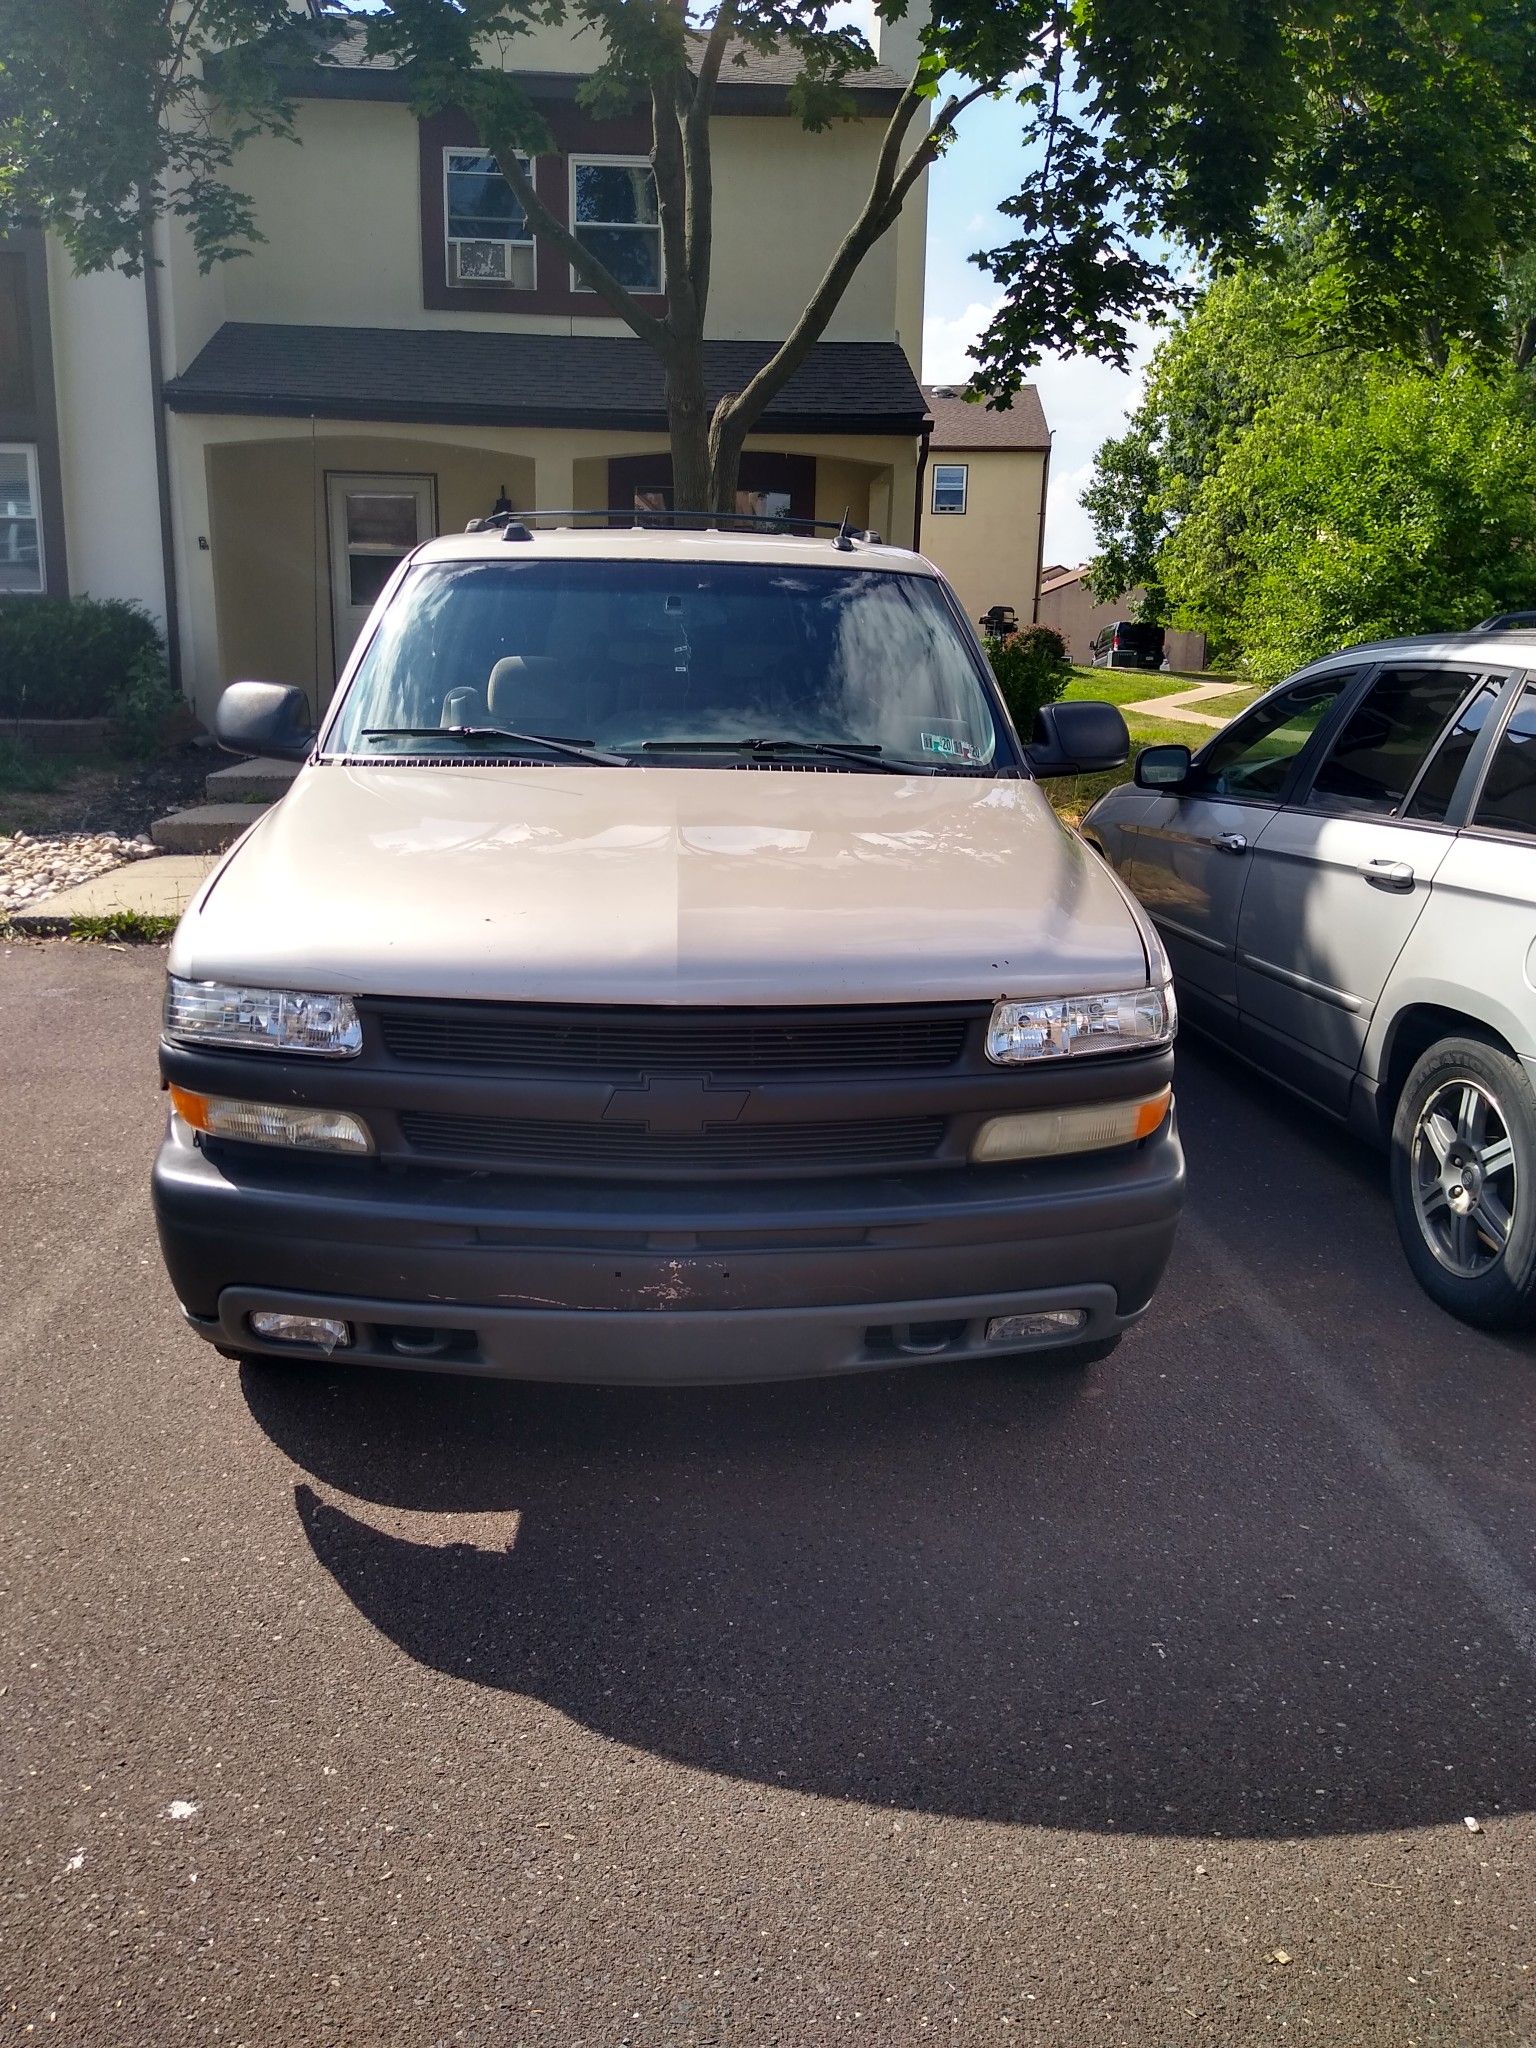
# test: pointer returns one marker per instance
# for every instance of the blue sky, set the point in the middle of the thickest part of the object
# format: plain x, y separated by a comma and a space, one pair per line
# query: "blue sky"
1085, 402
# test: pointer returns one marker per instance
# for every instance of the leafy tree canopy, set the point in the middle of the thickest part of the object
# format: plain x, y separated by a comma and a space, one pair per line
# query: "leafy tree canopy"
1402, 501
1291, 482
1150, 127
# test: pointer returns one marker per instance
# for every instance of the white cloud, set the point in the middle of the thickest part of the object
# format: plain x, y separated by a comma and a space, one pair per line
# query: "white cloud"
946, 341
1086, 402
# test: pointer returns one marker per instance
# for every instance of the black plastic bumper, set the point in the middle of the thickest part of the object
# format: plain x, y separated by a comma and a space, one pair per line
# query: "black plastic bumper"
574, 1282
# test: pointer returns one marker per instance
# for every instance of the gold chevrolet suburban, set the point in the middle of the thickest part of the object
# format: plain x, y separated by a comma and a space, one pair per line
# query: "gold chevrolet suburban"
665, 967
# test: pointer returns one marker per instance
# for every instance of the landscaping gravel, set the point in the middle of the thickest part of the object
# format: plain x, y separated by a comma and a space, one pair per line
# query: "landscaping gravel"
33, 866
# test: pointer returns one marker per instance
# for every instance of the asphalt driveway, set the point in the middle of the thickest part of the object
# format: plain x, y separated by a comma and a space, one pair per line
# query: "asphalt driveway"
982, 1705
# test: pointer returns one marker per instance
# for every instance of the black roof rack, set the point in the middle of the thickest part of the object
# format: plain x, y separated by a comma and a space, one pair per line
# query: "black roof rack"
1506, 622
519, 525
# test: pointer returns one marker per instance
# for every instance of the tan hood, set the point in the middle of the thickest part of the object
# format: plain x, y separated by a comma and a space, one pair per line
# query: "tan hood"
662, 885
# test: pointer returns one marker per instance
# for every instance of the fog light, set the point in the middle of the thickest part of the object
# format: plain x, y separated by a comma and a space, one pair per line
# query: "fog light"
1083, 1127
1045, 1322
273, 1123
328, 1333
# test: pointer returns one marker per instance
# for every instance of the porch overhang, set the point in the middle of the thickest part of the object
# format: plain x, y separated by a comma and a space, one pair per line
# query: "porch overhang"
460, 377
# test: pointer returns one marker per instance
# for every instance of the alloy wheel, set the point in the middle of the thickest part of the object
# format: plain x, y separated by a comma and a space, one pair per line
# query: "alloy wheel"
1463, 1169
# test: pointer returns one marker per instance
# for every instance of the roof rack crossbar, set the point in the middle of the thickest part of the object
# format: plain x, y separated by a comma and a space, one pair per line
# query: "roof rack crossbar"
619, 519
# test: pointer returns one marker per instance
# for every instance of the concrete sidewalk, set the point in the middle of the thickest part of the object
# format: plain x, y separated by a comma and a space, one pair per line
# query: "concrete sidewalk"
160, 887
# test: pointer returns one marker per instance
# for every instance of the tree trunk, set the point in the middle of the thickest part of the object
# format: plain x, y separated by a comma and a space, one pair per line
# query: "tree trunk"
724, 459
688, 427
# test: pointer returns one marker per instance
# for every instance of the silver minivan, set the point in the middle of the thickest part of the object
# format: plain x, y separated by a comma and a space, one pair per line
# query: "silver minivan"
1345, 881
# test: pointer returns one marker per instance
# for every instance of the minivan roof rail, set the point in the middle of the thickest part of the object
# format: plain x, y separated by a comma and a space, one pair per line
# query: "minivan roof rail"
1506, 622
518, 525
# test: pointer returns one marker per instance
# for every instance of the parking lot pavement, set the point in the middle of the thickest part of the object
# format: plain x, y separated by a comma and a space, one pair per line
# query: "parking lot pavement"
982, 1705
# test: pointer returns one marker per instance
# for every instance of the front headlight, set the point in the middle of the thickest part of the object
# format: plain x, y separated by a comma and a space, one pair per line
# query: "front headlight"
213, 1013
1059, 1026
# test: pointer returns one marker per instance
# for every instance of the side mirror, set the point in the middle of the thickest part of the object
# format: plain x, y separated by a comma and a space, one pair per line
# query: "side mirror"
1163, 767
264, 718
1078, 739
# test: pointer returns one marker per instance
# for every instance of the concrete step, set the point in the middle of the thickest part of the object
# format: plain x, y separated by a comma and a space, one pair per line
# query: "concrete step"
243, 782
206, 828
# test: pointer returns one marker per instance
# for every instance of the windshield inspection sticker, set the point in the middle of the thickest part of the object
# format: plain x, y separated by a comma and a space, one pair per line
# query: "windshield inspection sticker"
941, 743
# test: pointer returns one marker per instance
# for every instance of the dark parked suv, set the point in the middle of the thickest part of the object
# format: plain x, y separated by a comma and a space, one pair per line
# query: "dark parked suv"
1126, 644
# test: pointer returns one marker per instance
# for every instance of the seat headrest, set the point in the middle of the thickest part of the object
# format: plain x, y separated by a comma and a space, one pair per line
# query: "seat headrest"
515, 676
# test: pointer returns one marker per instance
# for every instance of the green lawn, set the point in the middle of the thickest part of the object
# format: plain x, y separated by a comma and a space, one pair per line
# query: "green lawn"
1233, 702
1073, 794
1130, 685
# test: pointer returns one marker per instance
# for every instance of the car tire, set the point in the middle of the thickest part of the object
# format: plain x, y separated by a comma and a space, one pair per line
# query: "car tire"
1464, 1182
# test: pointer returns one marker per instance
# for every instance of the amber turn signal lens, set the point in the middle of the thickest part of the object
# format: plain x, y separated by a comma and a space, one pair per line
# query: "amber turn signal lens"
192, 1109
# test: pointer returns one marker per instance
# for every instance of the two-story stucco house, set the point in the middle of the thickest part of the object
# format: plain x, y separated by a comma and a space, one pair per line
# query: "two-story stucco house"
249, 453
984, 515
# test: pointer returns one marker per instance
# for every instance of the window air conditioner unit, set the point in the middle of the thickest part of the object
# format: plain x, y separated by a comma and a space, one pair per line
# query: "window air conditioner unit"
482, 262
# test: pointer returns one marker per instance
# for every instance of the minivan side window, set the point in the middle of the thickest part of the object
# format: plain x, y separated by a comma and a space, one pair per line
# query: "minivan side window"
1372, 763
1437, 785
1508, 799
1255, 755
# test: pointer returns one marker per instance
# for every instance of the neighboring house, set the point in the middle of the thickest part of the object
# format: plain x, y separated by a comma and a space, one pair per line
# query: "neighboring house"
984, 498
250, 453
1069, 605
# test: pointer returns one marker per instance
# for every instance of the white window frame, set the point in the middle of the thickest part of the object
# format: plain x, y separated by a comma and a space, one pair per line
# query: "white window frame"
950, 511
641, 163
452, 241
28, 449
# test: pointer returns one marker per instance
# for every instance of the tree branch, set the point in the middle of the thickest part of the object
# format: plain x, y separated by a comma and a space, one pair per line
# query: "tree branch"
592, 273
738, 413
698, 167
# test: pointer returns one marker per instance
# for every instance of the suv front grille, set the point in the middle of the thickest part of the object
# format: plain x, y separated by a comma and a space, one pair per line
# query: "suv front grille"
722, 1148
533, 1039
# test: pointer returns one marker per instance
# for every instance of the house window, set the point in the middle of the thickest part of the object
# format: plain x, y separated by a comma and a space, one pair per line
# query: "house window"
489, 239
21, 534
614, 214
949, 484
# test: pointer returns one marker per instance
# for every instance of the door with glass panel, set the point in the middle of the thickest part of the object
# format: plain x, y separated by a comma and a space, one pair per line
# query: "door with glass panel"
1341, 876
1189, 850
375, 522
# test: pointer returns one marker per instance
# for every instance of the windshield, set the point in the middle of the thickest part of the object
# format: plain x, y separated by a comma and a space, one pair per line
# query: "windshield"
701, 657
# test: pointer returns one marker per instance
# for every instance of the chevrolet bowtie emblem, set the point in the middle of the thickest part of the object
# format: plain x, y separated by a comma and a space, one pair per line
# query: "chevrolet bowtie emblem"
679, 1103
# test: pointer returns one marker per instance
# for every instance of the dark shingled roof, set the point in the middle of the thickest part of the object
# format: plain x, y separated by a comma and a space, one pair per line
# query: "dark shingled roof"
462, 377
957, 423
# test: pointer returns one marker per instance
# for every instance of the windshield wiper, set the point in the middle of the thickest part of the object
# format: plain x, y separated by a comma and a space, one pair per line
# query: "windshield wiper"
578, 750
861, 756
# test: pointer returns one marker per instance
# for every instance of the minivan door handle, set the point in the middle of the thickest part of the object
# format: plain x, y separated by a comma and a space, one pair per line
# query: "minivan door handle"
1230, 842
1389, 874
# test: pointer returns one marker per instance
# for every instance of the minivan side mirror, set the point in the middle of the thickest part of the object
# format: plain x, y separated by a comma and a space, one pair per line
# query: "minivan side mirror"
1163, 767
1082, 738
264, 718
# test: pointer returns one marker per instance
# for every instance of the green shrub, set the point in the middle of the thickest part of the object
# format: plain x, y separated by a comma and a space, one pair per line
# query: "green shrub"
142, 704
79, 657
1031, 669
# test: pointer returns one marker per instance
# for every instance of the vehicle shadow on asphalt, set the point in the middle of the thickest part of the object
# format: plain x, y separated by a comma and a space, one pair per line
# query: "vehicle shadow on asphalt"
1148, 1598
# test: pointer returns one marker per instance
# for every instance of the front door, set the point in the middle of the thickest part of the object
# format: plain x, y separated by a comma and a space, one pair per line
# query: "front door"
375, 522
1190, 852
1342, 875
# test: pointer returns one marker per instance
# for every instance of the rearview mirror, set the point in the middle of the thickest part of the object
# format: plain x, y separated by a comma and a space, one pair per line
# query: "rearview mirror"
1078, 739
264, 718
1163, 767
